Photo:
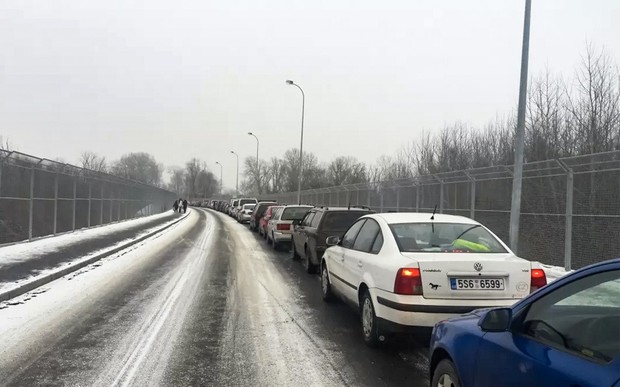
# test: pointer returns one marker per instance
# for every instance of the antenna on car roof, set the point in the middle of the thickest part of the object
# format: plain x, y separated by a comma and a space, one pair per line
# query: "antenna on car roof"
433, 219
349, 207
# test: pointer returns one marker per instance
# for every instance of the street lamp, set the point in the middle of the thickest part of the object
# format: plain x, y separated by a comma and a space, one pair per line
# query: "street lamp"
257, 165
221, 168
233, 152
301, 146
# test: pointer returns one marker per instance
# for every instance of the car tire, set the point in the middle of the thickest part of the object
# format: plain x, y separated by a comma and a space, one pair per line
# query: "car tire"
308, 265
294, 254
370, 329
445, 375
326, 286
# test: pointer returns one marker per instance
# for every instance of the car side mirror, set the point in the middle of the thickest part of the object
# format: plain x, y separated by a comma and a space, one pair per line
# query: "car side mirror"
496, 320
332, 241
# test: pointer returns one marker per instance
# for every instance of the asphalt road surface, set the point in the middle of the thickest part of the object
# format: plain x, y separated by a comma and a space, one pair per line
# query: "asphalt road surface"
207, 303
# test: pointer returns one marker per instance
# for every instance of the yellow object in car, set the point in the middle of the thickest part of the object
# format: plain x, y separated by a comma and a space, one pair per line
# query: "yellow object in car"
475, 247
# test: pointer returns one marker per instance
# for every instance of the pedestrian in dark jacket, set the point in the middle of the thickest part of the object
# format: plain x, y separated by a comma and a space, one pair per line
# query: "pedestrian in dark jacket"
184, 205
175, 206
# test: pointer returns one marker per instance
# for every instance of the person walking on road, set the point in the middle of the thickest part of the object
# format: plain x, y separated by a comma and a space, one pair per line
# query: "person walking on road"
175, 206
184, 205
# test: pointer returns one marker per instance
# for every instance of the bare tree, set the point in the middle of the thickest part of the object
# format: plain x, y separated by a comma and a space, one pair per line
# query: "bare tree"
94, 162
177, 180
345, 170
5, 144
140, 167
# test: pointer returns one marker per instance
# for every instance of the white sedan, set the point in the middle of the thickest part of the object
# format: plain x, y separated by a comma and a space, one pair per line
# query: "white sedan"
405, 270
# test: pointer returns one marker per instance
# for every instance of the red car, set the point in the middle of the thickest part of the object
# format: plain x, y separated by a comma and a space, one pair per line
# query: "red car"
262, 224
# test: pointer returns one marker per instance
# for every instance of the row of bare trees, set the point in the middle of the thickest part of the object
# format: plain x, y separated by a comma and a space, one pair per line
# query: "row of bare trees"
565, 118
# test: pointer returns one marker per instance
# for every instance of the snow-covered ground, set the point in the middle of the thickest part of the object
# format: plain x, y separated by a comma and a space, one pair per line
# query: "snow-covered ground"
554, 272
21, 252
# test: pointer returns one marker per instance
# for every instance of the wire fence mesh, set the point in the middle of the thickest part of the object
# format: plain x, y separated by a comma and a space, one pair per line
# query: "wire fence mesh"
40, 197
570, 211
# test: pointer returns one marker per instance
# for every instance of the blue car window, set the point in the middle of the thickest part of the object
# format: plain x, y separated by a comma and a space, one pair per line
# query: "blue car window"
582, 317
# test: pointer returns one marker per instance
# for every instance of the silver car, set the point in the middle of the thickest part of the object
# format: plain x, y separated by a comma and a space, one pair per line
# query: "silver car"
280, 226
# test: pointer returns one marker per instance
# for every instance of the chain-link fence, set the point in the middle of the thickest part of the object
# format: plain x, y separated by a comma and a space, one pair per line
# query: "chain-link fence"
570, 207
40, 197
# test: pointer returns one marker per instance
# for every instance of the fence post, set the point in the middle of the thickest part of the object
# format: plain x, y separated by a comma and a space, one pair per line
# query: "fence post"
472, 195
55, 203
101, 206
381, 200
368, 197
417, 197
74, 202
31, 204
90, 201
568, 239
357, 200
110, 206
398, 199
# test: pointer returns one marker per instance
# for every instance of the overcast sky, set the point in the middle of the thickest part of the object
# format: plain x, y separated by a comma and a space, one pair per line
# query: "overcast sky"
181, 79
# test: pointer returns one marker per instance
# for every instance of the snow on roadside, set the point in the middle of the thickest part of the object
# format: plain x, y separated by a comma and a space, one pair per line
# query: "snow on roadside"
36, 249
24, 251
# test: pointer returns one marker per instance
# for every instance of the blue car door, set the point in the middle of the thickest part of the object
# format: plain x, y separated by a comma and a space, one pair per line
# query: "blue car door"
570, 336
507, 359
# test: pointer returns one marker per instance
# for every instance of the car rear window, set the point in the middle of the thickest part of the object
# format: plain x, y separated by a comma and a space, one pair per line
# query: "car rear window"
445, 238
248, 206
294, 213
340, 221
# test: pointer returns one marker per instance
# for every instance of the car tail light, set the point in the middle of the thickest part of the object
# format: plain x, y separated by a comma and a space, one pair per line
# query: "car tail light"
283, 226
408, 282
539, 279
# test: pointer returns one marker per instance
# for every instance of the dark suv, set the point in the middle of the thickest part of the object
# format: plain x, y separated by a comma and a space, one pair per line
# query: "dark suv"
321, 222
258, 213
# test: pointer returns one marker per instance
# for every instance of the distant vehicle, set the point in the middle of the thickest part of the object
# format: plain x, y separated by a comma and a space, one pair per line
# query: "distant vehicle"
233, 205
566, 334
264, 220
404, 270
258, 213
310, 233
280, 226
245, 213
240, 204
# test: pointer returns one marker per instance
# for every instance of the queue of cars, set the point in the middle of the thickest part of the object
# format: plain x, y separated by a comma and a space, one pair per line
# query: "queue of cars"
495, 320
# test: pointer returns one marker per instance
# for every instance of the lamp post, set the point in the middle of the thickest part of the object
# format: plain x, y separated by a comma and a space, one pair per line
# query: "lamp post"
301, 145
233, 152
257, 165
221, 168
515, 207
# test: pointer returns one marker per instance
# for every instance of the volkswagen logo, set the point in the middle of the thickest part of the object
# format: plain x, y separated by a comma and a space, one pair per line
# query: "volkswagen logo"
478, 266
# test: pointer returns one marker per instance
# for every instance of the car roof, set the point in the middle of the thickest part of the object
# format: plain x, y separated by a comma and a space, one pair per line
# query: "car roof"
298, 205
420, 217
344, 209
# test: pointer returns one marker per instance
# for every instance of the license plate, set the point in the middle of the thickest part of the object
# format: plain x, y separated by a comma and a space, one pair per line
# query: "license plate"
477, 283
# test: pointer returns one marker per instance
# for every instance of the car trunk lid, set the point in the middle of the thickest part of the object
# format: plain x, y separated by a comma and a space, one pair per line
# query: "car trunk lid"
473, 276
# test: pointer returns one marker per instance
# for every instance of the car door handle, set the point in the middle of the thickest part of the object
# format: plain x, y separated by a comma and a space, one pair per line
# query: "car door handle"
360, 264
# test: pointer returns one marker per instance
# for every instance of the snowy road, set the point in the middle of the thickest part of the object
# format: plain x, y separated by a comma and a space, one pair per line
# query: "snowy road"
206, 303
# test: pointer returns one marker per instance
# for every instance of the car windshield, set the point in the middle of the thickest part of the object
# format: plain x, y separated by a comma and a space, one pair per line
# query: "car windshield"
445, 237
340, 221
294, 213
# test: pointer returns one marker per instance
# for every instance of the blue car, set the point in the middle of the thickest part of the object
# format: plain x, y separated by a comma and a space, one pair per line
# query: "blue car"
565, 334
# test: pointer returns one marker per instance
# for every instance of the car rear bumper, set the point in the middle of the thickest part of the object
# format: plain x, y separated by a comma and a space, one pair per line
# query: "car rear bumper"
280, 237
416, 311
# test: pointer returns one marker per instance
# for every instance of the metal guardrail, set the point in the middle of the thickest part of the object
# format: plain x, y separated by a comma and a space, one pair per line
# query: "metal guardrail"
40, 197
570, 206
